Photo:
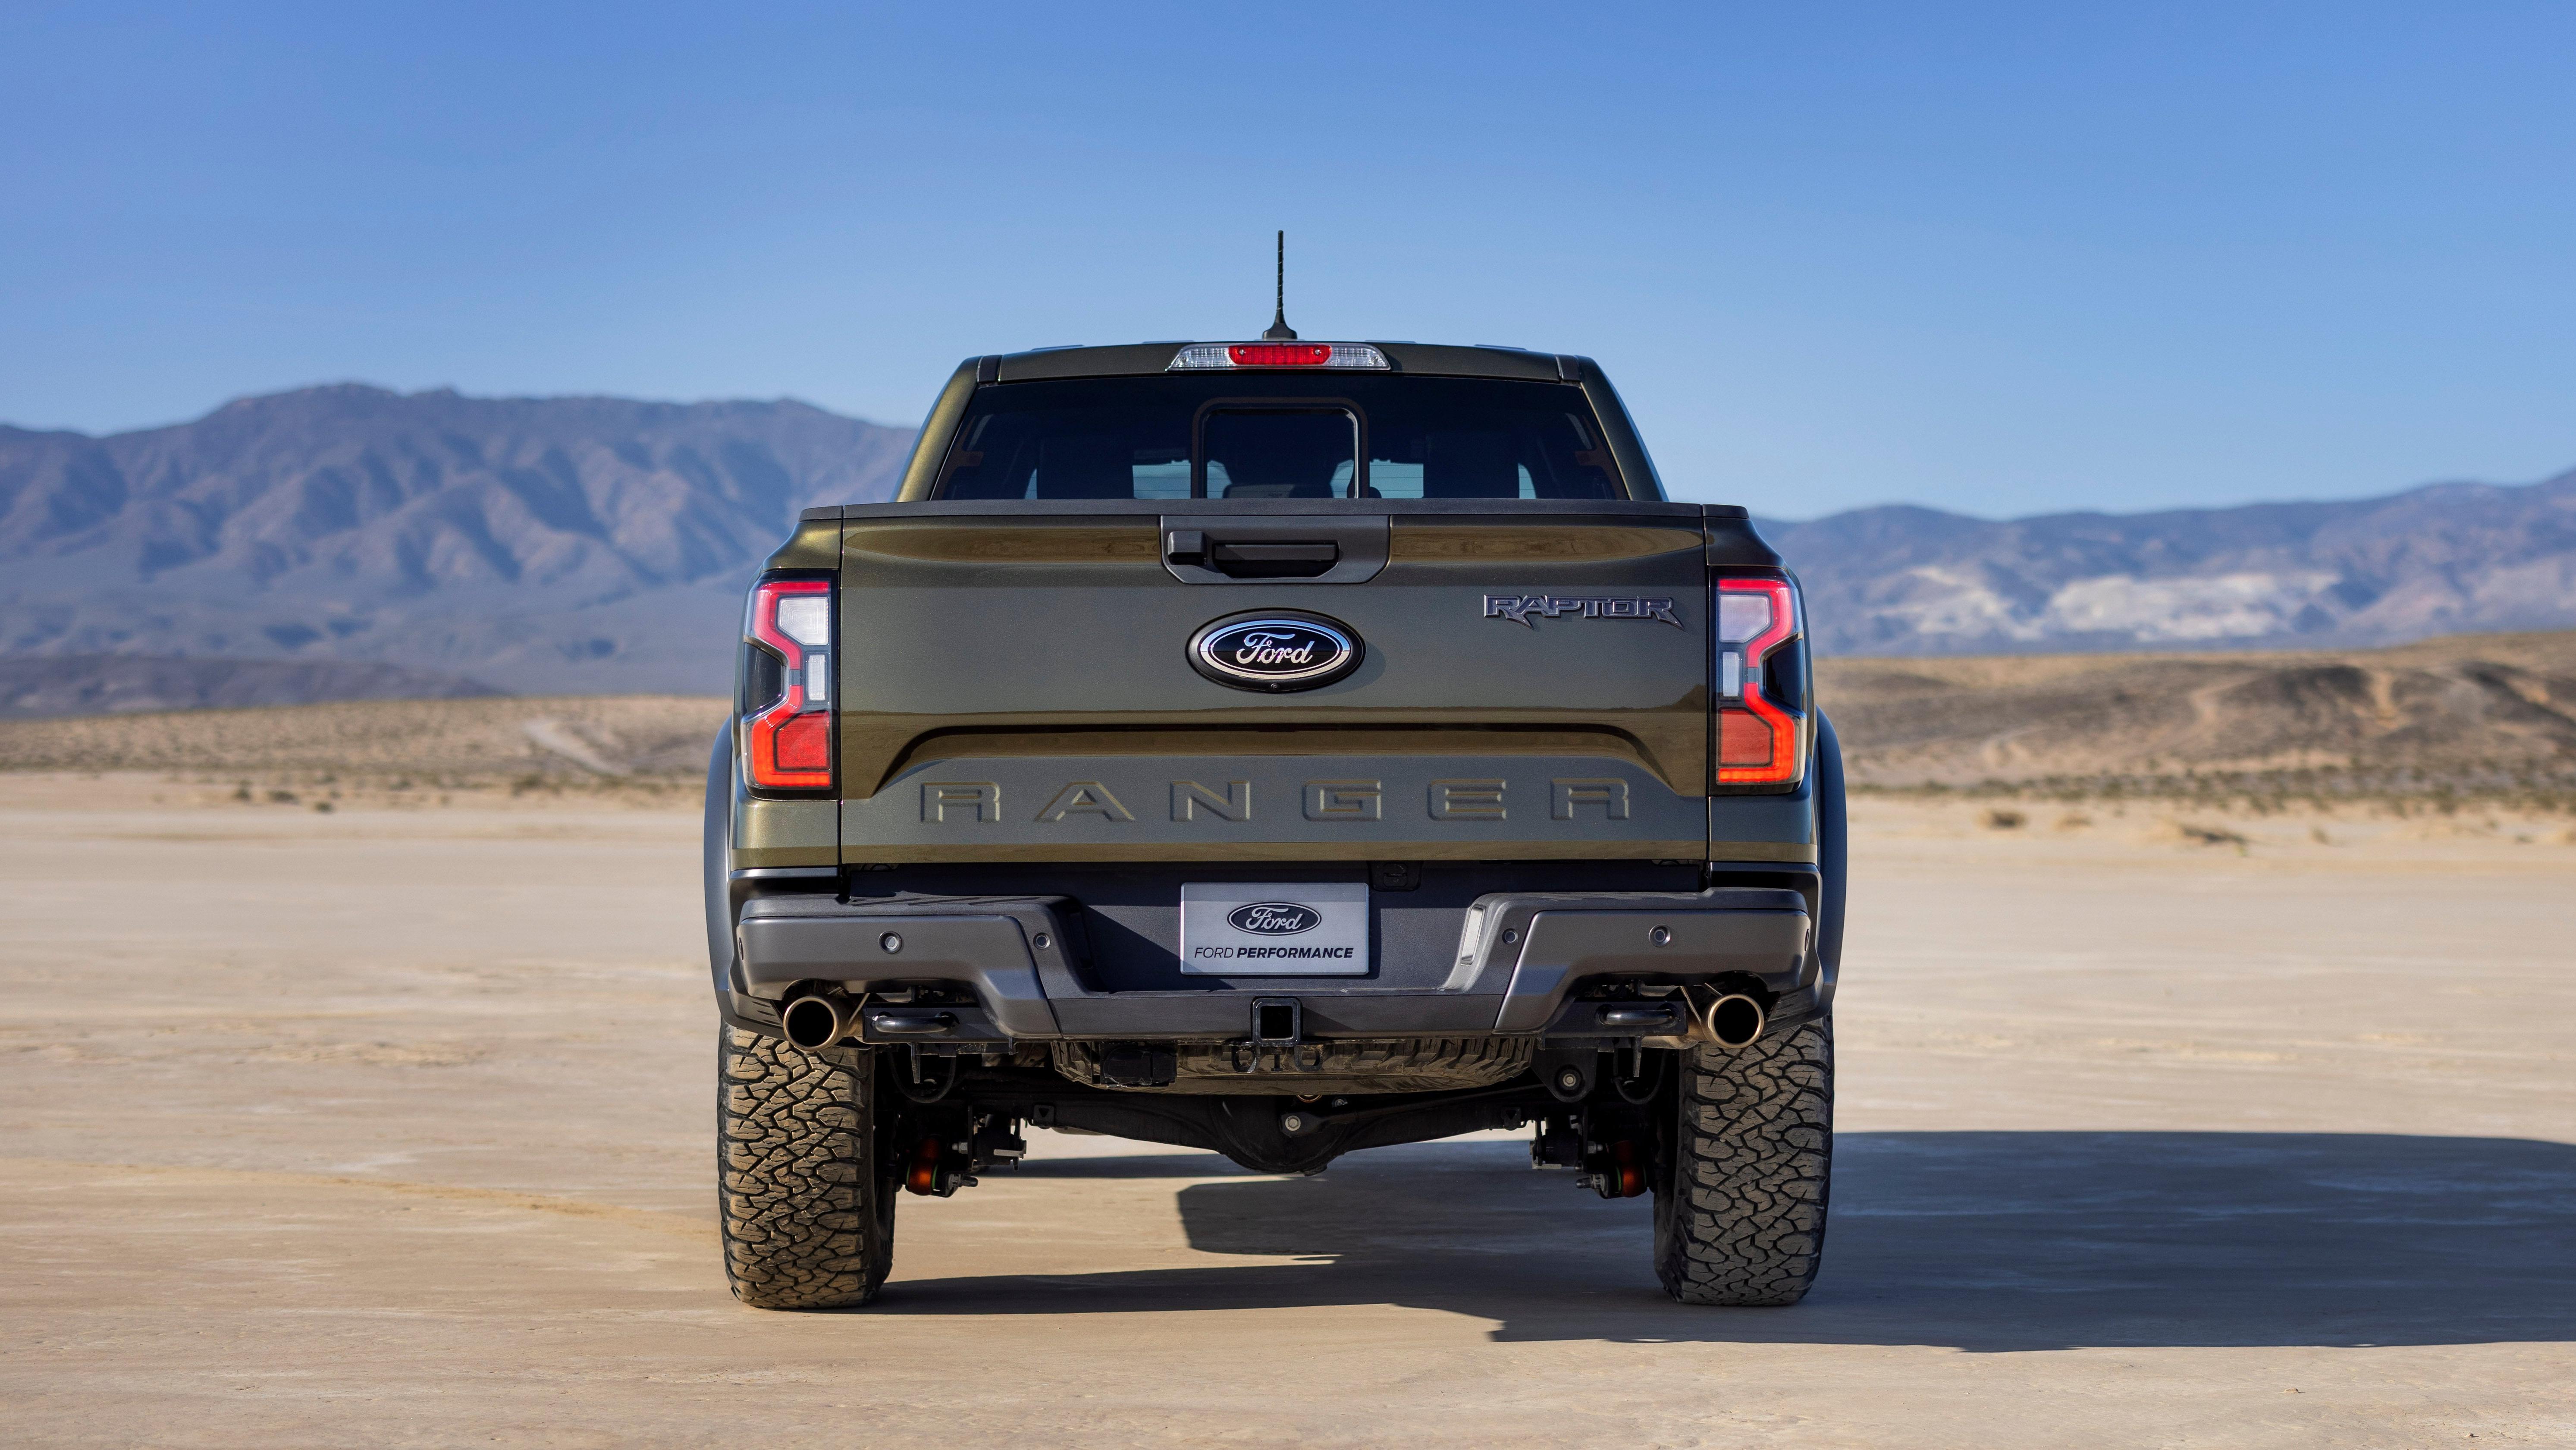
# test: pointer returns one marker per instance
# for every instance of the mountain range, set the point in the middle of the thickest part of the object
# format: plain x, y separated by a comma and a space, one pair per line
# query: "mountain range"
2444, 559
534, 545
433, 544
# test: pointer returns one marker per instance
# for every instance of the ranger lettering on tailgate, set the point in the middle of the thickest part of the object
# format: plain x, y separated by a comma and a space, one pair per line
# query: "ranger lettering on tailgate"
970, 801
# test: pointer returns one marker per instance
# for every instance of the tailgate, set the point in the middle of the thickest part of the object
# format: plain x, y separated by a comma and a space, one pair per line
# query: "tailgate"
1530, 683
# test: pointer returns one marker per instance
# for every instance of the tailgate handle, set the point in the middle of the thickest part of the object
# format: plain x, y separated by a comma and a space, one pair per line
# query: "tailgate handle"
1325, 546
1247, 559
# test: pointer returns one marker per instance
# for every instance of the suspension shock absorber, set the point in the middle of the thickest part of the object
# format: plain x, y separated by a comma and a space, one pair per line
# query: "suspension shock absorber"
1617, 1170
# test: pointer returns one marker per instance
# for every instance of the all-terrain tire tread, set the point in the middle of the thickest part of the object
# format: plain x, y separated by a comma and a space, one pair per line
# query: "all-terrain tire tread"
1741, 1219
807, 1218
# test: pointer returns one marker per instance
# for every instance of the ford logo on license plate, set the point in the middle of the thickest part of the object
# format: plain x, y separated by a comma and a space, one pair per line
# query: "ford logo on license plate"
1275, 928
1274, 918
1275, 651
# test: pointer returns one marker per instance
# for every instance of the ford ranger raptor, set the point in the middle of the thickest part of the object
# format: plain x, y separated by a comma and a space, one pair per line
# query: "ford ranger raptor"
1280, 748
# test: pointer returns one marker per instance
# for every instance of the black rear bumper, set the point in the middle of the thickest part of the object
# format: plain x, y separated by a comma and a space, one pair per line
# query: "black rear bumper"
1526, 963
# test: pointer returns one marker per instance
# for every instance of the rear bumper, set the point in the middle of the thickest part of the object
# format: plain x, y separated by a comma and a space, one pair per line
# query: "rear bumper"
1528, 963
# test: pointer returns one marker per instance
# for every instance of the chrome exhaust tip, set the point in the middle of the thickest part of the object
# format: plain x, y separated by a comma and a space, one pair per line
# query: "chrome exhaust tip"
1734, 1021
816, 1020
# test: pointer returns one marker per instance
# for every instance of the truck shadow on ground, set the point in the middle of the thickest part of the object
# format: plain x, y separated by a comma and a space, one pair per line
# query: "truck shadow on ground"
1981, 1241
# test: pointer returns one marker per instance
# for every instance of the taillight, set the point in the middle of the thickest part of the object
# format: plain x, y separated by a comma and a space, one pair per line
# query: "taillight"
787, 739
1757, 736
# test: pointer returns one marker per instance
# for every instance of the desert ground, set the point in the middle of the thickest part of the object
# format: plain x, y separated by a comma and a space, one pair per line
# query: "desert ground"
393, 1125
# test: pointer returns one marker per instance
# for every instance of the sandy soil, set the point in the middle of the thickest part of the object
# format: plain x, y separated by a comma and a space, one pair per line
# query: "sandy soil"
2485, 714
394, 1127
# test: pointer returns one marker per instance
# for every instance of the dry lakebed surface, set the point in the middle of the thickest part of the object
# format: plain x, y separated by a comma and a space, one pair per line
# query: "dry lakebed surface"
393, 1126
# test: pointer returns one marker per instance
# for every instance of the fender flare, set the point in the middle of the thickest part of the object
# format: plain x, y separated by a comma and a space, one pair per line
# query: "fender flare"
718, 861
1833, 858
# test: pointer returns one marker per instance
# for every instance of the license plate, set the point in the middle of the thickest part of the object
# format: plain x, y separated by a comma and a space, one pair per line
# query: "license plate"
1275, 928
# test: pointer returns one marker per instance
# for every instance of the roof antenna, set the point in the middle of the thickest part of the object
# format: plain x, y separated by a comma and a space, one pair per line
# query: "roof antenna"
1280, 331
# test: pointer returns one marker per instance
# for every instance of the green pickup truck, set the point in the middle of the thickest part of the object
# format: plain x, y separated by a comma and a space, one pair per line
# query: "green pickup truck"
1279, 748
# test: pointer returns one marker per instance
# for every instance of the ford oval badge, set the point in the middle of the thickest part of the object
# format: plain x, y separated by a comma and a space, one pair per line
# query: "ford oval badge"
1275, 650
1274, 918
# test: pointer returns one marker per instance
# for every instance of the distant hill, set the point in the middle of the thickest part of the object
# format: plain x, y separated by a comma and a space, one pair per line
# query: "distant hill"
2477, 713
599, 545
533, 544
39, 685
654, 737
2445, 559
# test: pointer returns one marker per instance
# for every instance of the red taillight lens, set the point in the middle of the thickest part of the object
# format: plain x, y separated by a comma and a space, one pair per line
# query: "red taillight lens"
803, 745
1744, 740
1280, 354
787, 742
1757, 737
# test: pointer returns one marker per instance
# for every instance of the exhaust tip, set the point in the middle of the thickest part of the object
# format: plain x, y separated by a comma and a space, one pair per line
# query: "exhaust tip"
1735, 1020
814, 1022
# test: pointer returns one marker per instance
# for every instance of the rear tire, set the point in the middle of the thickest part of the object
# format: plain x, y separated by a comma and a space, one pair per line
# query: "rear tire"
1740, 1215
805, 1188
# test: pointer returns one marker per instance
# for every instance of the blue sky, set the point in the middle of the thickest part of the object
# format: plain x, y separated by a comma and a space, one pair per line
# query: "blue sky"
1999, 258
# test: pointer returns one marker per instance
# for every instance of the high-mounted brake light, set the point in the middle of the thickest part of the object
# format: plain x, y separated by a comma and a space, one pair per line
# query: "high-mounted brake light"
787, 741
1757, 739
1279, 354
1200, 355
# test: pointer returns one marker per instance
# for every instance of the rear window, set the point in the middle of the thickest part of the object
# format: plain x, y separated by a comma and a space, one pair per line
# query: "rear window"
1279, 435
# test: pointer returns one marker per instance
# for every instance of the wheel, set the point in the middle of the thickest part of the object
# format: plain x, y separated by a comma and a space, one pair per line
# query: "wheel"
1740, 1212
805, 1186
